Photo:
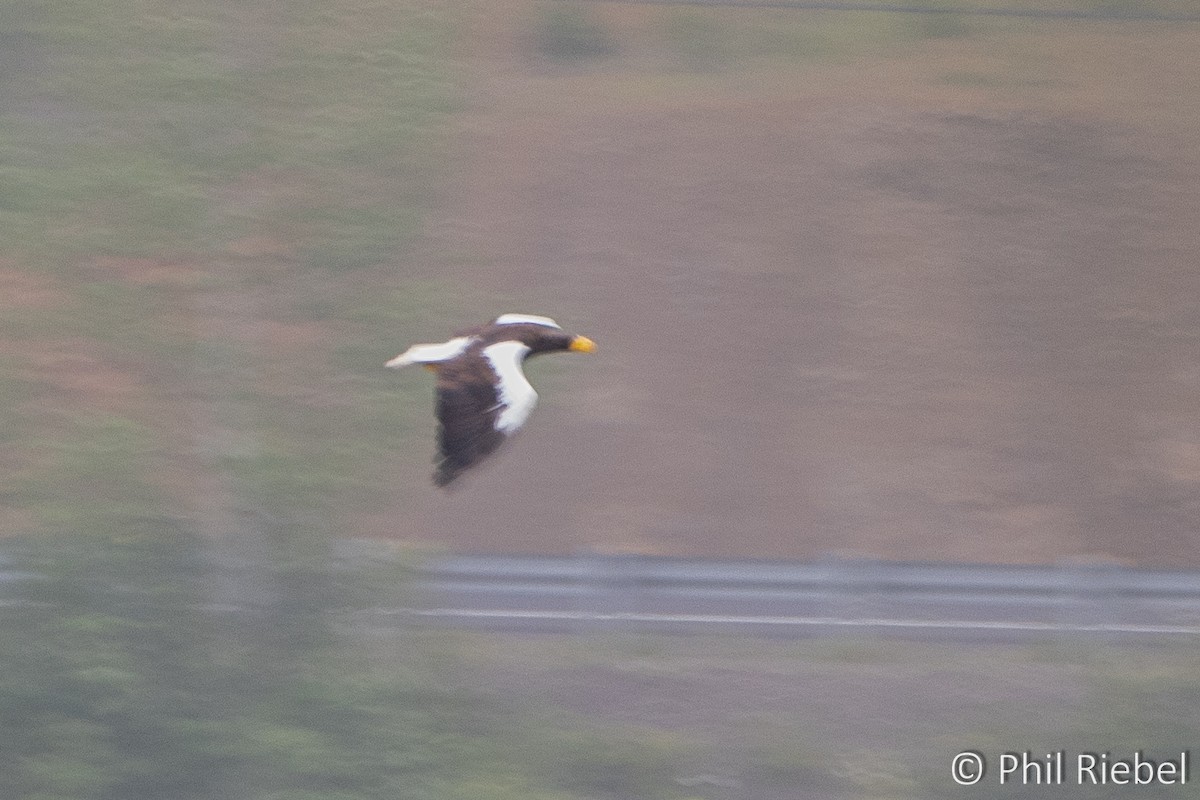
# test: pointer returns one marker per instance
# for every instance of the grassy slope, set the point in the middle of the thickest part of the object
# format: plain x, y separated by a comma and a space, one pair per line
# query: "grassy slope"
207, 211
211, 217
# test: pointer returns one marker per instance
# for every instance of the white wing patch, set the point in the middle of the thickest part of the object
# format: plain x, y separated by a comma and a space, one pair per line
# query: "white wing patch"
517, 396
533, 319
432, 353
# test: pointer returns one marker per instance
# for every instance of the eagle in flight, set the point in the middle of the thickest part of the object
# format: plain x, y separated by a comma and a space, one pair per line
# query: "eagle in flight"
483, 396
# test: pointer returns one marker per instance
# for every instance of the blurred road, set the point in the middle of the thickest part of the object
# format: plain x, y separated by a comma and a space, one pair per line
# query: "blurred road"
914, 600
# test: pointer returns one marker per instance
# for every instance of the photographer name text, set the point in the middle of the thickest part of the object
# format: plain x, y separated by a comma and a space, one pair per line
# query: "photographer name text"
1058, 768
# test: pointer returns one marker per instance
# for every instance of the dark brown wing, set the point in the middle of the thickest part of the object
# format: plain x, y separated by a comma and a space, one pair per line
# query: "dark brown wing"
467, 406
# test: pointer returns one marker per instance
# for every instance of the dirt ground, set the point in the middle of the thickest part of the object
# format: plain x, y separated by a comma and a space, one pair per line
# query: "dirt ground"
933, 304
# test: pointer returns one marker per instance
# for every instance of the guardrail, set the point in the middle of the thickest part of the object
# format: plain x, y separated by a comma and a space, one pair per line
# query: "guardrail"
921, 599
639, 593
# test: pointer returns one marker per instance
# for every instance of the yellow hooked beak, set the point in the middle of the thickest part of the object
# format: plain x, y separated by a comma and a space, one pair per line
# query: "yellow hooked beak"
582, 344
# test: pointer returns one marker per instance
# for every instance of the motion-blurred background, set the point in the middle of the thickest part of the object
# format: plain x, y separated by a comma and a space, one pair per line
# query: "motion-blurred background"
913, 283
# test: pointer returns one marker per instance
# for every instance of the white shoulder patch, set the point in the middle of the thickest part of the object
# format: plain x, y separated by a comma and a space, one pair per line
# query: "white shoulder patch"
432, 353
517, 396
533, 319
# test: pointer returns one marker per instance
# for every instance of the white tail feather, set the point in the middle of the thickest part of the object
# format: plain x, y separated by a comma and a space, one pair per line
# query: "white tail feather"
431, 353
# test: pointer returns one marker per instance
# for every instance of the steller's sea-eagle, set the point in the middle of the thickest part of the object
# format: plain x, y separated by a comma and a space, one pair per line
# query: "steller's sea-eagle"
483, 396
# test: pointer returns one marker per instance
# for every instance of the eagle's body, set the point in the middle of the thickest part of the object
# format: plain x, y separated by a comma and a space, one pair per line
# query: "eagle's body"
483, 396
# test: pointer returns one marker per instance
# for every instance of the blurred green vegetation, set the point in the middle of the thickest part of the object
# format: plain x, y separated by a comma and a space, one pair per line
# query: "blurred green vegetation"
122, 680
125, 677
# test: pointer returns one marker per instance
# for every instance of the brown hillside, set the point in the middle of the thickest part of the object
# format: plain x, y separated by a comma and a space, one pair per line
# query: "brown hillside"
933, 304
